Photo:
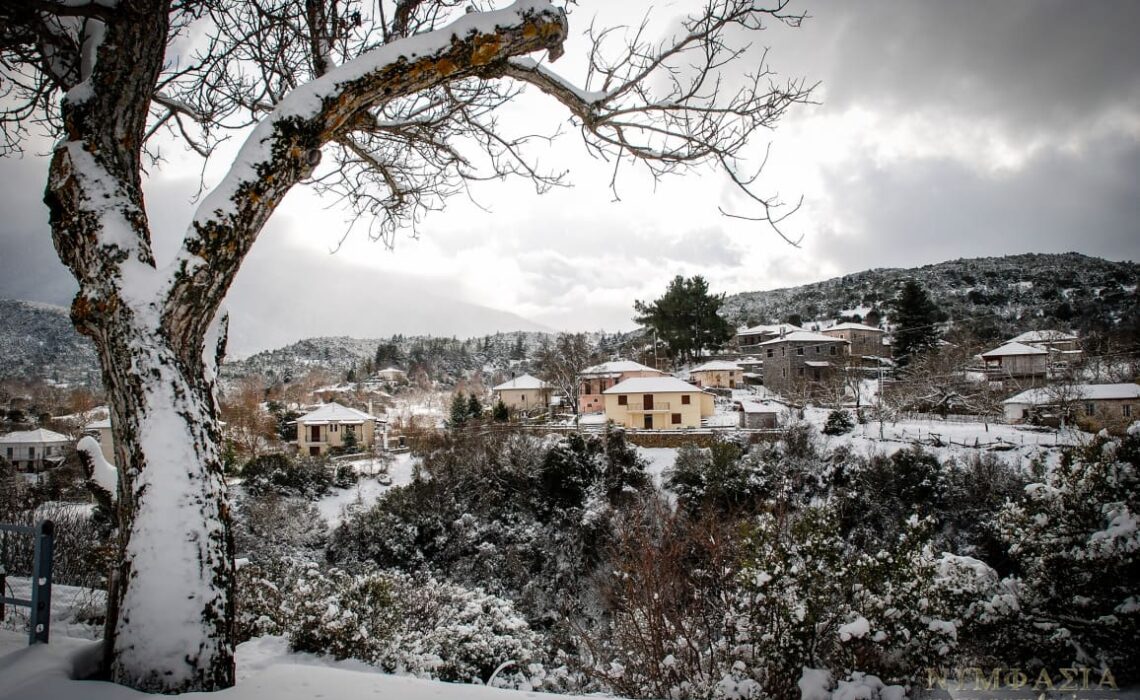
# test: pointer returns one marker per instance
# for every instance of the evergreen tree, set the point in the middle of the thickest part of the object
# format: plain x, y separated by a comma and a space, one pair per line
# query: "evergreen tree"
686, 318
458, 414
474, 407
915, 317
500, 413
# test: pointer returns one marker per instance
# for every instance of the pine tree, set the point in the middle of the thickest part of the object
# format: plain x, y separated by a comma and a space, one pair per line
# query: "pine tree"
915, 317
458, 414
685, 318
500, 413
474, 407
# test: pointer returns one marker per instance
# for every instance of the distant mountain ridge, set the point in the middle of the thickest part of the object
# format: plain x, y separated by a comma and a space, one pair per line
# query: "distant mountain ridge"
993, 296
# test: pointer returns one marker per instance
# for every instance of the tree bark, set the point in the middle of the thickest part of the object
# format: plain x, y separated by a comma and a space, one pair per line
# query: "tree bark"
171, 600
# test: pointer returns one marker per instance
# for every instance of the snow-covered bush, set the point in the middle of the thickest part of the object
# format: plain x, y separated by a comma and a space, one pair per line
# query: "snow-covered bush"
521, 517
308, 477
401, 623
269, 526
839, 422
1074, 541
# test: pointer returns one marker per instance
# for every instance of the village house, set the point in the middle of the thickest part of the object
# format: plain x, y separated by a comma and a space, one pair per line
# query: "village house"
748, 338
525, 393
332, 426
1059, 341
1092, 406
802, 359
391, 374
1016, 361
657, 403
863, 341
718, 374
34, 450
593, 381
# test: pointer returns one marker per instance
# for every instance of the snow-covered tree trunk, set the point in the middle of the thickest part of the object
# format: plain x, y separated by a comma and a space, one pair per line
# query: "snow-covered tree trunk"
156, 328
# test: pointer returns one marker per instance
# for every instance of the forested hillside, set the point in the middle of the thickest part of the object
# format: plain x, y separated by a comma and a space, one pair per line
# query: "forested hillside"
992, 297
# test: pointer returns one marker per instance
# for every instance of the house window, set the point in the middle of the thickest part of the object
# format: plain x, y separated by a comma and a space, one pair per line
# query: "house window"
799, 351
816, 349
782, 352
9, 453
524, 398
623, 400
31, 453
1090, 409
832, 349
676, 419
1126, 410
784, 372
771, 352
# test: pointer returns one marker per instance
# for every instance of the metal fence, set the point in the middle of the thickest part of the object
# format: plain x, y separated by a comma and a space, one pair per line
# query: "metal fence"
43, 541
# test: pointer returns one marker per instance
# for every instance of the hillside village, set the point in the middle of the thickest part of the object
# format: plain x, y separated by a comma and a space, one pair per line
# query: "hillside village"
510, 472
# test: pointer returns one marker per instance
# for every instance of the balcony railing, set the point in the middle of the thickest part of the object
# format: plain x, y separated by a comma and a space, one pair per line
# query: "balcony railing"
640, 407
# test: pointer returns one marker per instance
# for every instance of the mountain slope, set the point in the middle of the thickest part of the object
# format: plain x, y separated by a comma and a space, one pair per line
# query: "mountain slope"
37, 341
990, 296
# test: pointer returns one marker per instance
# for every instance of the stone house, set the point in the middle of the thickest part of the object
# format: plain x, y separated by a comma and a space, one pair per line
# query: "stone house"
34, 450
1092, 406
1016, 361
863, 341
802, 359
525, 393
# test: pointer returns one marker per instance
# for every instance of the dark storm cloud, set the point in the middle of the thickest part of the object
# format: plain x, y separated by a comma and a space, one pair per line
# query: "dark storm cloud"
29, 267
1032, 64
926, 211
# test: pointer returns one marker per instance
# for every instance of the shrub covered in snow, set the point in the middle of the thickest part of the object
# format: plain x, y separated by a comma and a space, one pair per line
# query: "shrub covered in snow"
519, 516
305, 476
401, 623
1074, 542
839, 422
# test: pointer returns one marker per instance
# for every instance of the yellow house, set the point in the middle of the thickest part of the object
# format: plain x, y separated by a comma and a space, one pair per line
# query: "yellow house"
719, 374
524, 393
657, 403
330, 425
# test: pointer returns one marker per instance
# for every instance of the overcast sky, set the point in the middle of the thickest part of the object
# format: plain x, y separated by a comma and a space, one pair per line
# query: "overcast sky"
943, 130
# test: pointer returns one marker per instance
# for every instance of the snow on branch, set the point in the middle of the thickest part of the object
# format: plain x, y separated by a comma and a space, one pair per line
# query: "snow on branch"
285, 146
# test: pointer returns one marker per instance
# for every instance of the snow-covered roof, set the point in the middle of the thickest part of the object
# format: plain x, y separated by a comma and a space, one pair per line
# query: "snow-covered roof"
769, 329
1078, 392
717, 366
1041, 337
1015, 349
652, 385
104, 424
39, 435
805, 337
524, 382
617, 367
848, 326
757, 407
335, 413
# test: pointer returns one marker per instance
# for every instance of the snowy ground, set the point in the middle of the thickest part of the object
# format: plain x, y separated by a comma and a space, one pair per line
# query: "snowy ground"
332, 507
266, 669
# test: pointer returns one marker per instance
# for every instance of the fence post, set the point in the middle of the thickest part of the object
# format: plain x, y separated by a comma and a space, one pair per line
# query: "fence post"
40, 619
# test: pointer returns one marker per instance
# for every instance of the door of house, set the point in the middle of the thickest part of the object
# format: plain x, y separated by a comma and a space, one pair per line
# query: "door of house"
314, 433
649, 421
647, 402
